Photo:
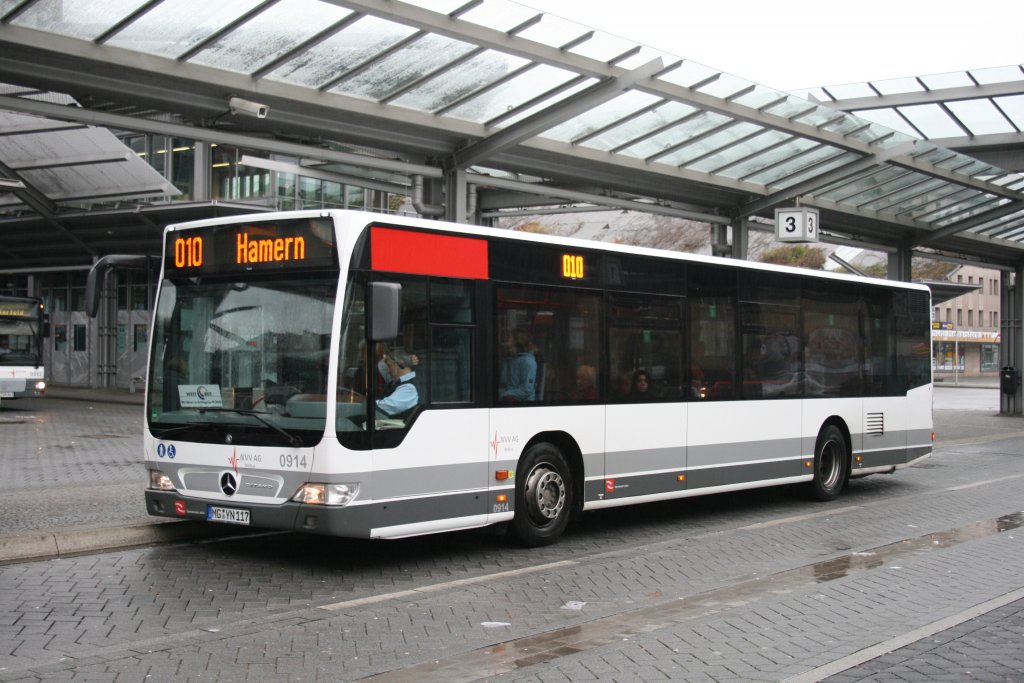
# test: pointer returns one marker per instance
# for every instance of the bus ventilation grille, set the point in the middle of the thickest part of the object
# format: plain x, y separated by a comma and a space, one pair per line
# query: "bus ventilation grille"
875, 424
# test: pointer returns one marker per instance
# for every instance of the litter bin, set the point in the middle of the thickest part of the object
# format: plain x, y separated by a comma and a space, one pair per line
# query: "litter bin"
1009, 380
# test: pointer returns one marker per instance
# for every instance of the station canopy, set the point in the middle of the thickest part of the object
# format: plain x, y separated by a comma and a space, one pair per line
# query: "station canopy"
529, 110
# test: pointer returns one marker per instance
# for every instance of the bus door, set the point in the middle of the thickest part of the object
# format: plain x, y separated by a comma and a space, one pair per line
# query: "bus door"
645, 426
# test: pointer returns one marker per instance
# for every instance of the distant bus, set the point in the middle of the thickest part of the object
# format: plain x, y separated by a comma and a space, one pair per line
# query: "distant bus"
378, 376
22, 322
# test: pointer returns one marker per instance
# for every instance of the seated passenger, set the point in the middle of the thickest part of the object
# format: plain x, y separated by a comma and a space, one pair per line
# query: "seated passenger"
401, 394
586, 384
640, 389
518, 380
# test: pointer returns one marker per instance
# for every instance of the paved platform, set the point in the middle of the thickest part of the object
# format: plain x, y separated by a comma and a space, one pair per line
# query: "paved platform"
909, 578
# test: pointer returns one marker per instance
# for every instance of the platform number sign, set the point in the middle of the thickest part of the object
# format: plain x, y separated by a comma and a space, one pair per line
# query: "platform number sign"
799, 224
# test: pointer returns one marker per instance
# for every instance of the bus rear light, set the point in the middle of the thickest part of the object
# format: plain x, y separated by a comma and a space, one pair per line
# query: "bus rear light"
314, 493
160, 481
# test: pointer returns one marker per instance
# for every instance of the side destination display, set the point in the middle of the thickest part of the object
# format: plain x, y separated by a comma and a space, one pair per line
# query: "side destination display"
300, 244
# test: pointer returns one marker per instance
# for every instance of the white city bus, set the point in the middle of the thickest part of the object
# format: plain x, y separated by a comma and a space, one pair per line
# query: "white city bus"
22, 321
549, 376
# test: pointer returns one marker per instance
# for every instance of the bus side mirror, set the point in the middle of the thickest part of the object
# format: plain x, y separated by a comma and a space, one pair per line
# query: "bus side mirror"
385, 306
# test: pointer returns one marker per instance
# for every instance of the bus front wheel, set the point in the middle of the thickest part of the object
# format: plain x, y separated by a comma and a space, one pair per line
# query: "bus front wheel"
543, 495
831, 464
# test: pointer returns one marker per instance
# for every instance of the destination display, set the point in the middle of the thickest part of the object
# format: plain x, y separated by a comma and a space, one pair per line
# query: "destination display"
296, 244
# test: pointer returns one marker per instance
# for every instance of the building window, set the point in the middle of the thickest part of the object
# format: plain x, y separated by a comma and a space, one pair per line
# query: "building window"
989, 357
959, 317
970, 318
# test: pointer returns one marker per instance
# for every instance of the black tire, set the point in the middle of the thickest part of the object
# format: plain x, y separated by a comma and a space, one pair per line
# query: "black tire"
544, 495
831, 465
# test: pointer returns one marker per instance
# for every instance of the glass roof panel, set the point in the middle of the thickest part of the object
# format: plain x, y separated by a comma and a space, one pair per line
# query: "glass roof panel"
865, 187
998, 74
701, 123
269, 35
963, 209
891, 198
820, 116
442, 6
496, 102
713, 143
725, 85
546, 102
635, 128
783, 183
923, 206
1013, 107
500, 15
405, 66
84, 19
955, 79
980, 116
689, 73
769, 157
603, 47
553, 31
355, 44
887, 118
770, 175
460, 81
897, 86
606, 114
174, 26
791, 107
758, 97
850, 90
7, 5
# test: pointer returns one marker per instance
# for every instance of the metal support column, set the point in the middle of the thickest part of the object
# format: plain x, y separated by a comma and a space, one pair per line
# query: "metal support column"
720, 240
1011, 347
106, 335
899, 264
202, 165
455, 193
740, 239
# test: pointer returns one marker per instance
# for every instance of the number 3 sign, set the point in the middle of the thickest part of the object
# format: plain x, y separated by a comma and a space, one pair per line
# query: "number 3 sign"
798, 224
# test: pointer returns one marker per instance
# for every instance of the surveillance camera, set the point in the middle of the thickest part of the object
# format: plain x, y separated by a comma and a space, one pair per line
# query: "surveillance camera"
248, 108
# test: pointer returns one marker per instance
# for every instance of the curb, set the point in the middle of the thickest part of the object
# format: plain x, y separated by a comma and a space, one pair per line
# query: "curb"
46, 545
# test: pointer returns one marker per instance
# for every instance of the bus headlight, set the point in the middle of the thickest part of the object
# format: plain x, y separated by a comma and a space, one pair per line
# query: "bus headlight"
313, 493
160, 481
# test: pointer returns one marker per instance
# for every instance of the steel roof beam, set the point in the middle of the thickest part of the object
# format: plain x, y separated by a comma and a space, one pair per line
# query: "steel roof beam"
42, 205
69, 161
98, 118
967, 92
571, 107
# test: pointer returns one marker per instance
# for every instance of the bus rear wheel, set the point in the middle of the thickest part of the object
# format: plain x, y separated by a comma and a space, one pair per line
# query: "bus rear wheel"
544, 495
831, 464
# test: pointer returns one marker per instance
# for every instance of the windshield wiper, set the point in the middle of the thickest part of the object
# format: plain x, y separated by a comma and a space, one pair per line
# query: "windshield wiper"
292, 439
183, 427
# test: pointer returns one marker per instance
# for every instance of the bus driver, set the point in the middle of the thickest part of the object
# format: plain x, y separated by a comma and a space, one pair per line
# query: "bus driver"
401, 394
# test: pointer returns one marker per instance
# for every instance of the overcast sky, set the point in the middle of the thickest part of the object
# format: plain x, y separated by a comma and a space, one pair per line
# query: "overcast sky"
796, 44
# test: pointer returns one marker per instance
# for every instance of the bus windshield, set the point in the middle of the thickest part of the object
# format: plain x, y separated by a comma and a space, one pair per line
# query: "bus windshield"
19, 342
242, 359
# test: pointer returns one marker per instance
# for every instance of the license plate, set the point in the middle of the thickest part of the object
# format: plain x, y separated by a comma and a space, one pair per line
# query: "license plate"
227, 515
6, 394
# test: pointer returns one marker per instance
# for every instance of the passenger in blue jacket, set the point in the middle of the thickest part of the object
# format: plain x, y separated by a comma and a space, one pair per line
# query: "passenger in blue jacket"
518, 380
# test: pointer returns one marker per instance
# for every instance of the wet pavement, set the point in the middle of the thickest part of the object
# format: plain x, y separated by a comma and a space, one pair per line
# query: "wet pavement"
913, 576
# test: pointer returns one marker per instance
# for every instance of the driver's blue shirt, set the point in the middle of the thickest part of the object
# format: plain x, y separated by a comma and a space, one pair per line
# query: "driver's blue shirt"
403, 398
